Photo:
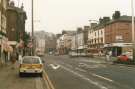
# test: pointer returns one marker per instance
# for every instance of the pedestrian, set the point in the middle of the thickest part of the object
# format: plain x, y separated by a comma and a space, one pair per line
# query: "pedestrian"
20, 58
100, 53
13, 59
110, 54
107, 56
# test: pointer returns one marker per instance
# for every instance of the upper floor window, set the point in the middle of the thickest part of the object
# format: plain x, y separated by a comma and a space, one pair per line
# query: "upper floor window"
101, 32
4, 4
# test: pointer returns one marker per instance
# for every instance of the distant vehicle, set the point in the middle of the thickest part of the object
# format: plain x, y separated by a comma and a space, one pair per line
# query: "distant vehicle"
39, 53
31, 65
56, 54
73, 54
50, 53
125, 58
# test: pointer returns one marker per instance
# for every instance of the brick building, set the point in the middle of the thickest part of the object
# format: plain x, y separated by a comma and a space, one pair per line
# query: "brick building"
115, 35
118, 35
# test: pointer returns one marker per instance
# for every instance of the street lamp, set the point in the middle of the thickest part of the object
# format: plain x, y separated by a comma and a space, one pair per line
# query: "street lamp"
18, 2
32, 24
133, 32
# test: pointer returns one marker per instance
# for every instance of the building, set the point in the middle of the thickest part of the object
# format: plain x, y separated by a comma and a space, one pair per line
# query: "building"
79, 41
60, 45
64, 42
118, 35
16, 18
50, 44
96, 38
3, 7
115, 35
4, 46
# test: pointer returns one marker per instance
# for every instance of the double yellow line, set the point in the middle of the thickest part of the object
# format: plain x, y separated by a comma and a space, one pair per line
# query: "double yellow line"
47, 81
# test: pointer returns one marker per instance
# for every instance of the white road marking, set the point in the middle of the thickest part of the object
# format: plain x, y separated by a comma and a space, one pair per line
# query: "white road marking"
55, 67
91, 66
47, 81
103, 77
39, 84
69, 65
85, 78
92, 61
80, 69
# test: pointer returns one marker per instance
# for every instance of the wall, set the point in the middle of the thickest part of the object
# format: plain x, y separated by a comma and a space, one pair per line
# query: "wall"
118, 32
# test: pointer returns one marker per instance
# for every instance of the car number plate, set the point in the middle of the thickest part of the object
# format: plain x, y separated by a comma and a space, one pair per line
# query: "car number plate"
30, 71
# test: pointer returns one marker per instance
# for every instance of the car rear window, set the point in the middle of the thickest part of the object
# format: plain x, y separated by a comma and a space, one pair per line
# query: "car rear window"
29, 60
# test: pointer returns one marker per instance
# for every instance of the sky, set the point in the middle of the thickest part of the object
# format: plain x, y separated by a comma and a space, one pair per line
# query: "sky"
57, 15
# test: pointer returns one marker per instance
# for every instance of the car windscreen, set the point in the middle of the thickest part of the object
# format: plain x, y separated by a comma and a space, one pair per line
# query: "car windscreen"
30, 60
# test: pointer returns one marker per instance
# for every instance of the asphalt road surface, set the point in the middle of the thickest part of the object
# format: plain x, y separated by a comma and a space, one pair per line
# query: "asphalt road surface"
87, 73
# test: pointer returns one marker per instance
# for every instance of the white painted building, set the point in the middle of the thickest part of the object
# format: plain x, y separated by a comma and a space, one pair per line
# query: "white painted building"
96, 40
64, 42
40, 44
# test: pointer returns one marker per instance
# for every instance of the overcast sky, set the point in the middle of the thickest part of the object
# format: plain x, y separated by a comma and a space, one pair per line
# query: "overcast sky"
56, 15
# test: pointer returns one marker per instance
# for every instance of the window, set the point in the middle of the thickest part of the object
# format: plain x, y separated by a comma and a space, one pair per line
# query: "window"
101, 32
29, 60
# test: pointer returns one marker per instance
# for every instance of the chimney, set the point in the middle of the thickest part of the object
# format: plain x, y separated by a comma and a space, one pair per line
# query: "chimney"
22, 7
12, 4
92, 25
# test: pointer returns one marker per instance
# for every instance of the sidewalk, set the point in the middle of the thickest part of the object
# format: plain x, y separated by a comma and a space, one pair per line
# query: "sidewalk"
7, 76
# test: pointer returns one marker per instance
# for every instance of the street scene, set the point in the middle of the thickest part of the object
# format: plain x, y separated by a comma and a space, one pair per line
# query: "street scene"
80, 73
67, 44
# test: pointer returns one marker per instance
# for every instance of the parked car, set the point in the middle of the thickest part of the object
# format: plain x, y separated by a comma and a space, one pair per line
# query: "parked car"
56, 54
125, 56
31, 65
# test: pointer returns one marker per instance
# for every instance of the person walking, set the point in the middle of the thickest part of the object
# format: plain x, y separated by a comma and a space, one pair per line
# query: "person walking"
108, 56
13, 59
20, 58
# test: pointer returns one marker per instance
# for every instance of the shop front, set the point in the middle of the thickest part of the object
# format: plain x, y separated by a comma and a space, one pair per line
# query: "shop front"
118, 48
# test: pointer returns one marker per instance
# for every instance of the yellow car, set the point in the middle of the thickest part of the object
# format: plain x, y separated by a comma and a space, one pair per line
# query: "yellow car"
30, 65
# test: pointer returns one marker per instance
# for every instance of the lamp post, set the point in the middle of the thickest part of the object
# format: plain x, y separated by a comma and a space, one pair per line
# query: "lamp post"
133, 32
1, 31
18, 2
32, 24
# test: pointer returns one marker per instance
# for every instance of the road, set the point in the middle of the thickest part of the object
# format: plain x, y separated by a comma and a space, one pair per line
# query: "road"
87, 73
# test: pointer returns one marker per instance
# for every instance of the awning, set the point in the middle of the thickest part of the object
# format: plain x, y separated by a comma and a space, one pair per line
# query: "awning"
118, 45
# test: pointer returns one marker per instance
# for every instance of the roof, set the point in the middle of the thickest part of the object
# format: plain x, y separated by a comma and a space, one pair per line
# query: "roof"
123, 18
18, 10
69, 32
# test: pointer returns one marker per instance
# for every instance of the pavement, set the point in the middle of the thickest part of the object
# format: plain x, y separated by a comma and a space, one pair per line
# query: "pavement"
9, 79
88, 73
